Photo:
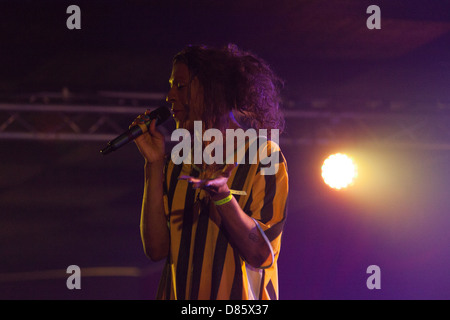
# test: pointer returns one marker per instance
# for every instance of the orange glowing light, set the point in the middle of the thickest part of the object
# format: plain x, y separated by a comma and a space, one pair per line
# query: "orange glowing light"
339, 171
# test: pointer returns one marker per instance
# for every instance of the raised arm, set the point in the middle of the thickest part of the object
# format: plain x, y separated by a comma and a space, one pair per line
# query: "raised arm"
153, 224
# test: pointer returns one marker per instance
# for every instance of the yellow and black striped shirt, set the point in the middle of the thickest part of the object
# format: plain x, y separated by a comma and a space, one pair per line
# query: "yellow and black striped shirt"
202, 262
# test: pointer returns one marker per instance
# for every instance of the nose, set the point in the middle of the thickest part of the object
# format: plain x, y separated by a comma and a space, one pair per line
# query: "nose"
171, 95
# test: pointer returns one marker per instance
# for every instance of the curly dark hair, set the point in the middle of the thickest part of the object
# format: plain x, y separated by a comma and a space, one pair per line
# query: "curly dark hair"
235, 80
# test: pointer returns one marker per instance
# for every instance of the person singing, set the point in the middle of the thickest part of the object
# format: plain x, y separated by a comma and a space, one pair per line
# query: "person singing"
219, 226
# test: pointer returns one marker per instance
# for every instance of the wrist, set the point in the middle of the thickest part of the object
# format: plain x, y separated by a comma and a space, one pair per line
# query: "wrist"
154, 168
224, 200
221, 193
155, 164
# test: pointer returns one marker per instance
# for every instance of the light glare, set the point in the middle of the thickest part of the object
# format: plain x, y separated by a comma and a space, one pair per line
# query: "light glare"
339, 171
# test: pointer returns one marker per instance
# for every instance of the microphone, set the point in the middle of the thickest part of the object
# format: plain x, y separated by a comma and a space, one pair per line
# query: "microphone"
161, 114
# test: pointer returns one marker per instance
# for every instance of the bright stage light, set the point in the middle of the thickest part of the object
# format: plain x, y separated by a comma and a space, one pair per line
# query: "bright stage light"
339, 171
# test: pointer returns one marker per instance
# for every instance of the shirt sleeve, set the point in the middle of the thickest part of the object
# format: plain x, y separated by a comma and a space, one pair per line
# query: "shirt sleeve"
268, 200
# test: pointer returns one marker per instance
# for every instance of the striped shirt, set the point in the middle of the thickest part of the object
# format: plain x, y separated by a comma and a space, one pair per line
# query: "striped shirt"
202, 262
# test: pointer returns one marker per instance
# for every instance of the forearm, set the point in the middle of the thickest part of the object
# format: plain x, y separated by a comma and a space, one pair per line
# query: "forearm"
244, 233
154, 230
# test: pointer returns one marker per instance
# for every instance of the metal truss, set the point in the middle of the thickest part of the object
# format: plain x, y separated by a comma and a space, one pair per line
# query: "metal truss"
65, 122
382, 129
424, 130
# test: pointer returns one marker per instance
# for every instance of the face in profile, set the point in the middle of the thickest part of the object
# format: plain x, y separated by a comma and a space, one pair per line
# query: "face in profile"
186, 97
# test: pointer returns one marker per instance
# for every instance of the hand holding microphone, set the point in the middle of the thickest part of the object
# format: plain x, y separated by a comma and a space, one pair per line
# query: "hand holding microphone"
150, 145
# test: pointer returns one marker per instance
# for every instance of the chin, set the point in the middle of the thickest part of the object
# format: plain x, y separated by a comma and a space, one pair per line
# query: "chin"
177, 123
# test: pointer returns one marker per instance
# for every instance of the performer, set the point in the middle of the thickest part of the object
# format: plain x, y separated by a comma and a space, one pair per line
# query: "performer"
218, 226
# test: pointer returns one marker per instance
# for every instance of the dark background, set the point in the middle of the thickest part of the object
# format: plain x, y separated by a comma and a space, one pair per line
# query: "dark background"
62, 203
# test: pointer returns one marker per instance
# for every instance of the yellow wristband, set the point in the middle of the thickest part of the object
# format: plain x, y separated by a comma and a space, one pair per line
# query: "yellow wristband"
224, 200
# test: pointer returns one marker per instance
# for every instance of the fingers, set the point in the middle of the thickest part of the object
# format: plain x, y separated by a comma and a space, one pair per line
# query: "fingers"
142, 121
151, 144
196, 183
142, 118
183, 177
152, 128
226, 172
211, 185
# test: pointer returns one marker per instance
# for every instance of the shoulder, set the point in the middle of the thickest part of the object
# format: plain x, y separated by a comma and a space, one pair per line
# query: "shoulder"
271, 158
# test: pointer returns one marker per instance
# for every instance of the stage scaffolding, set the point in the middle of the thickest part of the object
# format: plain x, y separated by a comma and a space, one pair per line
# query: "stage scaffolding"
310, 123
